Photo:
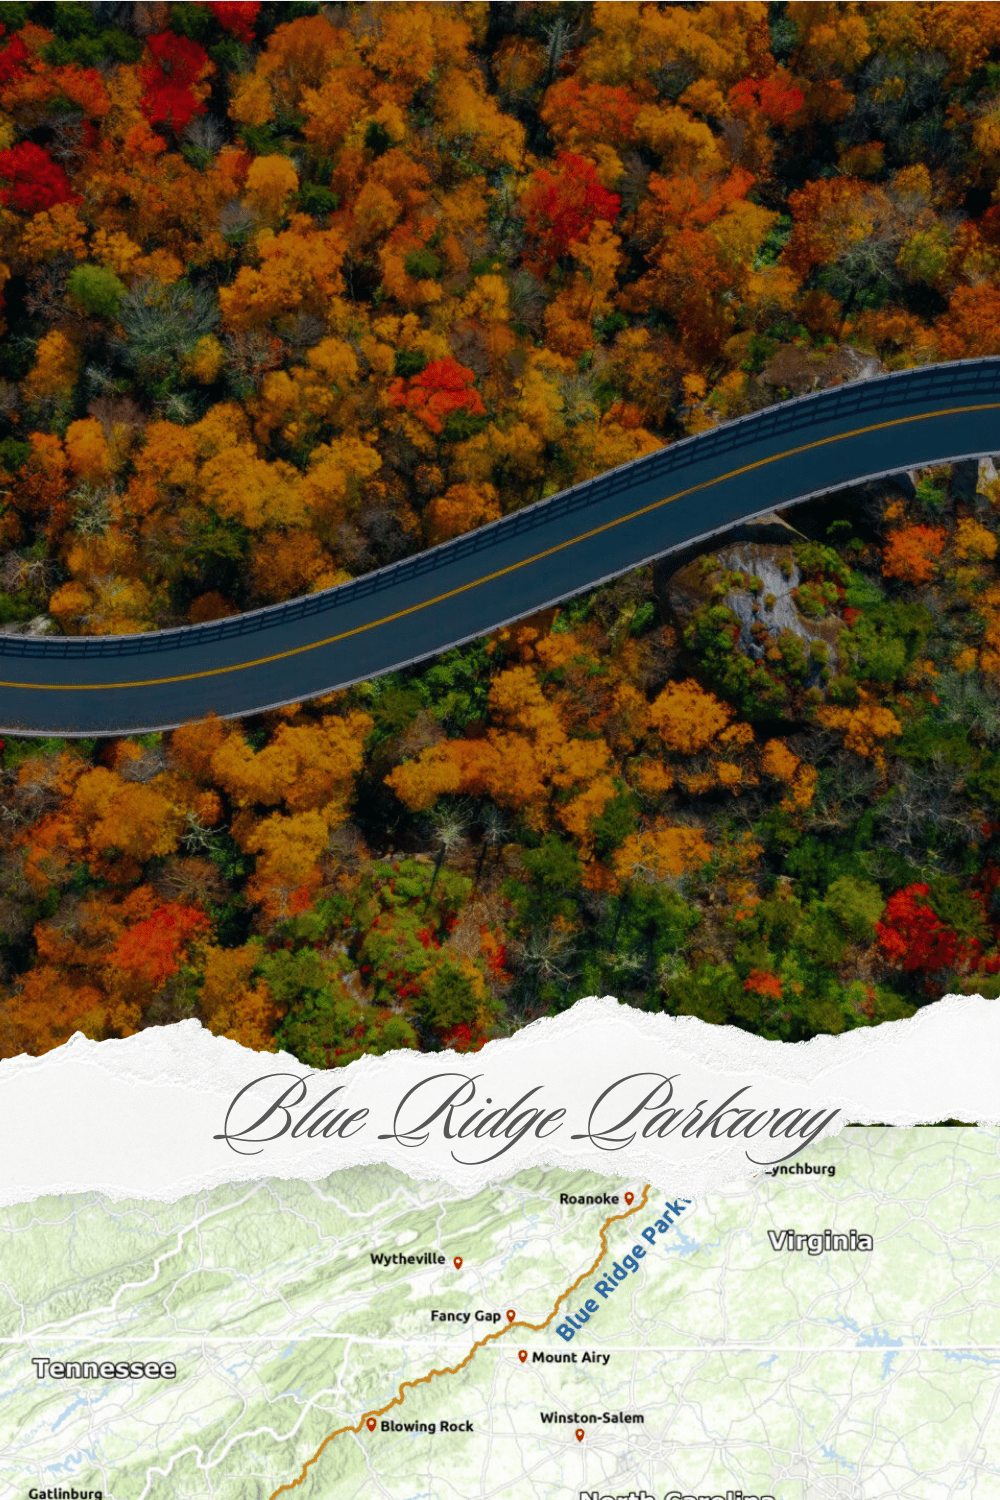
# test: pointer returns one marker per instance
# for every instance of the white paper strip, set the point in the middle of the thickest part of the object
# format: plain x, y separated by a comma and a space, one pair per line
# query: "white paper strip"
601, 1087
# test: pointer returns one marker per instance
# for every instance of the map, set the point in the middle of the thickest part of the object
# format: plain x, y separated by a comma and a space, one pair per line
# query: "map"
828, 1330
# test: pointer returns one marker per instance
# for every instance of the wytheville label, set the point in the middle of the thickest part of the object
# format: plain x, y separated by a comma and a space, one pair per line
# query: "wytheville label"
428, 1258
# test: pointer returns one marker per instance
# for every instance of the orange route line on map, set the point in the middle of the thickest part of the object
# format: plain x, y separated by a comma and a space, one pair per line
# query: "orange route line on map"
489, 1338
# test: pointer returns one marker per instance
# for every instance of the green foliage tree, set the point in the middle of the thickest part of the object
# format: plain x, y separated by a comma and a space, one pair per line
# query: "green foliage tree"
97, 289
857, 906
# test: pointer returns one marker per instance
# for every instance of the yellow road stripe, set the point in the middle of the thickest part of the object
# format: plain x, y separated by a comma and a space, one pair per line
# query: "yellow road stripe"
330, 640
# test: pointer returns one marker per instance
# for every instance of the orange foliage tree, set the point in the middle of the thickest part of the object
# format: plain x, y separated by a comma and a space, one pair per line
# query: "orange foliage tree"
911, 553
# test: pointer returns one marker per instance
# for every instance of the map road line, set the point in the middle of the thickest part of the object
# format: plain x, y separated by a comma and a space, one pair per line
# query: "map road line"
489, 1338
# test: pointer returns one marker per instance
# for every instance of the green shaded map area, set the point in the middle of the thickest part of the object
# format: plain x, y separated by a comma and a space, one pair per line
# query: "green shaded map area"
720, 1362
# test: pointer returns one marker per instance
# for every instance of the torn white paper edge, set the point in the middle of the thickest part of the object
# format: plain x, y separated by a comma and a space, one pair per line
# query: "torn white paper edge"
601, 1087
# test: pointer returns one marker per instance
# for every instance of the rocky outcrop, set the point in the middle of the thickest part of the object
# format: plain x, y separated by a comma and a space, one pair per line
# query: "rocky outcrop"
758, 562
799, 369
987, 477
38, 625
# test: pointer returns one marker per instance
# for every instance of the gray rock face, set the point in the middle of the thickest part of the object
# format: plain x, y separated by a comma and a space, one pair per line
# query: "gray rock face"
770, 567
773, 605
39, 625
988, 474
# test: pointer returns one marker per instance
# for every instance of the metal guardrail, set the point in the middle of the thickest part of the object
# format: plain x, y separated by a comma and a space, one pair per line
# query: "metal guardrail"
961, 378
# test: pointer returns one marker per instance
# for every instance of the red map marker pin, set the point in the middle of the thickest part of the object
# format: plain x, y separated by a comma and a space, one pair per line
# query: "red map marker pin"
371, 1424
629, 1197
579, 1434
522, 1355
458, 1262
510, 1315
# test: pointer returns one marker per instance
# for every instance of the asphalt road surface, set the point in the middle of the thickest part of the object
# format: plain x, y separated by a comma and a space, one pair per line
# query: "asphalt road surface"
689, 491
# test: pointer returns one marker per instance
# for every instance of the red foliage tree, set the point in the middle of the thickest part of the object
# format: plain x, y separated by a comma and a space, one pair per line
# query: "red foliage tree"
238, 17
153, 947
776, 98
912, 934
764, 983
563, 206
36, 182
13, 59
176, 65
442, 388
988, 226
464, 1038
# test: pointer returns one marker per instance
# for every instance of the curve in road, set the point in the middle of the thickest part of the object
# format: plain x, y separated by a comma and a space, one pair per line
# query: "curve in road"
572, 541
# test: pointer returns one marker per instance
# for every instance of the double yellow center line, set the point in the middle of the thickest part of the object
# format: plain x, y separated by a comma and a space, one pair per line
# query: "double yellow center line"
525, 562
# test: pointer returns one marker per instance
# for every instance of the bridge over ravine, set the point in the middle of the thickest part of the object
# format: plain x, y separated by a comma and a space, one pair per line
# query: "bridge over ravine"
548, 552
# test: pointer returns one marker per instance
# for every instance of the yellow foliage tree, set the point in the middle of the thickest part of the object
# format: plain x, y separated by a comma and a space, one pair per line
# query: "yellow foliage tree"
335, 479
687, 718
778, 761
297, 400
461, 508
289, 850
234, 1006
973, 541
662, 852
296, 59
122, 823
87, 450
307, 767
270, 183
865, 727
54, 372
58, 230
468, 117
526, 761
239, 486
299, 271
206, 359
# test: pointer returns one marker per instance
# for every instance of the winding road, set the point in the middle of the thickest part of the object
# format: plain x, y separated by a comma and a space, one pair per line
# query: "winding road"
561, 546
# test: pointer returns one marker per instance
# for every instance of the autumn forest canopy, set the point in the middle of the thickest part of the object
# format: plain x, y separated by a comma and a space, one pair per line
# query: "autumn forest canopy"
291, 291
